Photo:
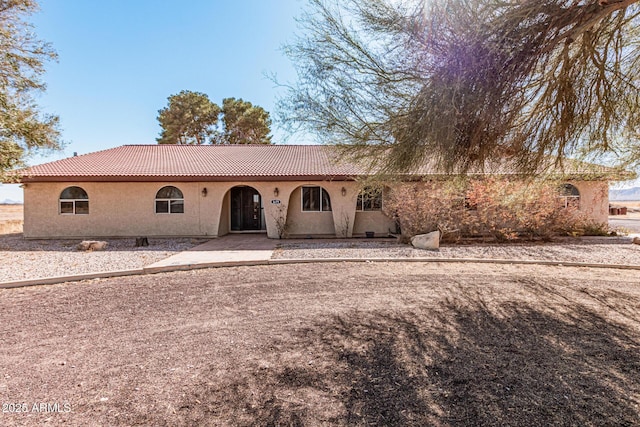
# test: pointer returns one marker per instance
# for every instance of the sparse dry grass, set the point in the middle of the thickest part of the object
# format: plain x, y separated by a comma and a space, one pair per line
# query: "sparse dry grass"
11, 219
634, 204
11, 212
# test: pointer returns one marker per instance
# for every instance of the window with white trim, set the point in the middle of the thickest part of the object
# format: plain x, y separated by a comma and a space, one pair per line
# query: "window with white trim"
315, 199
570, 196
169, 200
369, 199
74, 201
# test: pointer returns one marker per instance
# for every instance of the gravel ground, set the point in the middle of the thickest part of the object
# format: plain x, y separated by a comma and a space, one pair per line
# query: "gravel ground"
22, 259
615, 250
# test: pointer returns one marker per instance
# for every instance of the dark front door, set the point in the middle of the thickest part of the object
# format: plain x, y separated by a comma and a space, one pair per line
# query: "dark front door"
246, 213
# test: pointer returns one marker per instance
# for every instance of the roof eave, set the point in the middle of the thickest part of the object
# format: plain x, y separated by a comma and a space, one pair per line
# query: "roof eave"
183, 178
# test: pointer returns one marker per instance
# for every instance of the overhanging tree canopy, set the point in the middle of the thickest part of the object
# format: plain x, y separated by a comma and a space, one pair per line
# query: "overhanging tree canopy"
22, 126
466, 82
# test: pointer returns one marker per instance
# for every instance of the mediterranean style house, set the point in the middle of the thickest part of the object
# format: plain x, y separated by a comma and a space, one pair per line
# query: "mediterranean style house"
213, 190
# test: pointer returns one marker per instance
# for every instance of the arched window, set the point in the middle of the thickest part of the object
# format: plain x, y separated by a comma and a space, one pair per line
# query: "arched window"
369, 199
570, 195
315, 199
169, 199
74, 201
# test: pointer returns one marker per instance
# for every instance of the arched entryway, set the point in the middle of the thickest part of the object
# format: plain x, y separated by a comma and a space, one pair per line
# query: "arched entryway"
246, 209
310, 212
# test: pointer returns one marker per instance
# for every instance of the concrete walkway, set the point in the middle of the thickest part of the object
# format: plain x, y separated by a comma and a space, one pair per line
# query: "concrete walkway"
232, 249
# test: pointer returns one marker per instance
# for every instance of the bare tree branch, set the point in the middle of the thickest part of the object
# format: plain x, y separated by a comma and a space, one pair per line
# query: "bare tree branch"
467, 82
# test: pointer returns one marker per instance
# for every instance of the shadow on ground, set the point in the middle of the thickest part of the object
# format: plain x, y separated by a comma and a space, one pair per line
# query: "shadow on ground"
469, 363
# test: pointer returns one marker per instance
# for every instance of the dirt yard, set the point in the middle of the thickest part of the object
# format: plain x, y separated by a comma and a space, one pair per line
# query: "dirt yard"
404, 344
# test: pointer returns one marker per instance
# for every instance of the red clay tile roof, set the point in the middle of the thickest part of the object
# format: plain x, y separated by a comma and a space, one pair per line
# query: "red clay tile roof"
197, 162
224, 163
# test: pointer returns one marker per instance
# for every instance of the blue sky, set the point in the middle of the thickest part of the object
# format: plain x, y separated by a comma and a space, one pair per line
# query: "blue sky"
120, 60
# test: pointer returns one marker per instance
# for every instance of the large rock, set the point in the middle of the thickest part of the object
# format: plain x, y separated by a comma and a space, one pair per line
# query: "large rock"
92, 245
427, 241
636, 240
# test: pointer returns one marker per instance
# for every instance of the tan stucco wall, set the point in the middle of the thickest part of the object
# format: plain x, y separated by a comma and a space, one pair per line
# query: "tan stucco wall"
127, 209
594, 199
308, 223
225, 216
117, 209
337, 222
375, 221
